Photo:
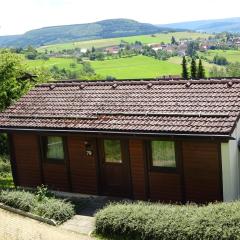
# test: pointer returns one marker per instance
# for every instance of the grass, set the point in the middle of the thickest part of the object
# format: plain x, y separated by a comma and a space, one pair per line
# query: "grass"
135, 67
207, 65
59, 62
146, 39
230, 55
122, 68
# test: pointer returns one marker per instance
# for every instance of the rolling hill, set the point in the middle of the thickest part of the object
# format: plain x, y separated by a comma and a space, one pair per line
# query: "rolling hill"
67, 33
209, 26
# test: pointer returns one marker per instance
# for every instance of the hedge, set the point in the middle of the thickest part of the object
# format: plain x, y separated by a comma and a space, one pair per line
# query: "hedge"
158, 221
44, 206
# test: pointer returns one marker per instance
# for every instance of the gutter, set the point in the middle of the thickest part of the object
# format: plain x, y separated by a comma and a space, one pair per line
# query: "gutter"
102, 132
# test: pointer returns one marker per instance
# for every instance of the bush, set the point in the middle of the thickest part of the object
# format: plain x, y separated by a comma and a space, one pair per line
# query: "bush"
56, 209
5, 166
18, 199
158, 221
3, 144
38, 203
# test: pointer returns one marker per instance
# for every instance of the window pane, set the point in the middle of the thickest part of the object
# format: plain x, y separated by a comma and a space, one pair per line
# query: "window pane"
112, 149
55, 148
163, 154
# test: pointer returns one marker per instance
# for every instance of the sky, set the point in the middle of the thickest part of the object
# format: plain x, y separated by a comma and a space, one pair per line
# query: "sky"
19, 16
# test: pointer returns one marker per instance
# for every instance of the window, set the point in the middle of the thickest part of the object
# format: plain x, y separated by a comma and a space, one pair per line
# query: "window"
54, 148
163, 154
112, 150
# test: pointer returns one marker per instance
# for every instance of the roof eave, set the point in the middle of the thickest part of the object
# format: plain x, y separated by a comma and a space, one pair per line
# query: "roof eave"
112, 132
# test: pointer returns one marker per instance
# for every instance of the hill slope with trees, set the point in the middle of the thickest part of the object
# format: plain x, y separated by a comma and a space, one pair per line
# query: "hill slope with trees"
60, 34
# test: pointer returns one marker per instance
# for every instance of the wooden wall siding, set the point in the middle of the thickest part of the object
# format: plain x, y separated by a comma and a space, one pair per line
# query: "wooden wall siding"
82, 167
165, 187
27, 159
202, 173
137, 158
56, 176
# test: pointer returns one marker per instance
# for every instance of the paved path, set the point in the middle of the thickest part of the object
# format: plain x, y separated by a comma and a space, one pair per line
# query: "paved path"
84, 221
16, 227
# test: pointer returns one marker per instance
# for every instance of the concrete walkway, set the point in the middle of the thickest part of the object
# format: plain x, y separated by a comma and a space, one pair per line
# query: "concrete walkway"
16, 227
84, 221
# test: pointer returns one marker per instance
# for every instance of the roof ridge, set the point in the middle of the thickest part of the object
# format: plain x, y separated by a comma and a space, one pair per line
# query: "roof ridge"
139, 82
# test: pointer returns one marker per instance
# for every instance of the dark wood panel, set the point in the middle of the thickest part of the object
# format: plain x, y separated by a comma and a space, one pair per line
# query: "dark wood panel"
82, 165
26, 152
202, 171
137, 158
165, 187
56, 176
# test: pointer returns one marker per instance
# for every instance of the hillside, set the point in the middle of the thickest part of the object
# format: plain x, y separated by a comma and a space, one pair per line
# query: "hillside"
209, 26
60, 34
145, 39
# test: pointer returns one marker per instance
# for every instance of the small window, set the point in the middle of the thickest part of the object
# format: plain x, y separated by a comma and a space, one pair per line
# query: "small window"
54, 148
163, 154
112, 150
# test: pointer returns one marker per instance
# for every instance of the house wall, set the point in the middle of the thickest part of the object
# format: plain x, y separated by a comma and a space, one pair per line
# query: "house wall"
197, 178
230, 167
202, 171
27, 159
138, 165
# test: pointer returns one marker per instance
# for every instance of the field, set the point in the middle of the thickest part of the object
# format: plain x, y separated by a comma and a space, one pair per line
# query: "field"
135, 67
59, 62
122, 68
230, 55
100, 43
207, 66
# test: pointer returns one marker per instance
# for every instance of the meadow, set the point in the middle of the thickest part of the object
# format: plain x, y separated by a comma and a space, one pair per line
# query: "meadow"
135, 67
59, 62
146, 39
230, 55
122, 68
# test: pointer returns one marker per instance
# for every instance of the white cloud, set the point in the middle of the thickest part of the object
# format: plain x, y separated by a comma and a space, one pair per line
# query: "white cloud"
19, 16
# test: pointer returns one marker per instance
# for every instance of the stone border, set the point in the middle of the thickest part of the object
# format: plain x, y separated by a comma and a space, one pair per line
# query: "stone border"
27, 214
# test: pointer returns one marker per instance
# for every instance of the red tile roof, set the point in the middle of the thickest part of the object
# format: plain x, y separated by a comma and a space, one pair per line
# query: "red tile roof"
156, 106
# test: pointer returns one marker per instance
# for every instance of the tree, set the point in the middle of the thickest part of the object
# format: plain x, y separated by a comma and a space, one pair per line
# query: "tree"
193, 69
184, 68
173, 40
31, 53
192, 48
220, 60
201, 70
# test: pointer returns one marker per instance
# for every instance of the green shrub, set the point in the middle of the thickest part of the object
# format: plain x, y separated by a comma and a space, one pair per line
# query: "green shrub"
158, 221
38, 203
18, 199
42, 193
5, 166
56, 209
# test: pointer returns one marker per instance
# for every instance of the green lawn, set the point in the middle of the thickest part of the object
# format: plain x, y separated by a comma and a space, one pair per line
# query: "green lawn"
59, 62
100, 43
136, 67
231, 55
122, 68
207, 66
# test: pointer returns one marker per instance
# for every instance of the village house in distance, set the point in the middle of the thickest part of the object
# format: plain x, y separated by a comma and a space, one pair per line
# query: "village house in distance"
166, 140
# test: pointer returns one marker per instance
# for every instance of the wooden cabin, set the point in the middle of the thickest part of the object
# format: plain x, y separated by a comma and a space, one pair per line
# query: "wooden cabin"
166, 140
